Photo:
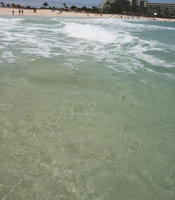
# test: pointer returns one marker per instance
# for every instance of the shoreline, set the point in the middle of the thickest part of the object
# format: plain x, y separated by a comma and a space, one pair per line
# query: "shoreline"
57, 13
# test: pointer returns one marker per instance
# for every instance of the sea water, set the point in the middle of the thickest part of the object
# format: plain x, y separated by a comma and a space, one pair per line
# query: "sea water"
87, 109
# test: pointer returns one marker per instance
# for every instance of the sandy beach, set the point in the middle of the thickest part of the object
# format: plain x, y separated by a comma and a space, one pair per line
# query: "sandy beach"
47, 12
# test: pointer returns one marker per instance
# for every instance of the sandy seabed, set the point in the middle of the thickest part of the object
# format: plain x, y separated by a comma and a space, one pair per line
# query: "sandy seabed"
47, 12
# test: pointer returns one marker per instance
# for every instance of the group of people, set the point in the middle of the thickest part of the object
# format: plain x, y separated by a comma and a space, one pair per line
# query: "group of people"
20, 12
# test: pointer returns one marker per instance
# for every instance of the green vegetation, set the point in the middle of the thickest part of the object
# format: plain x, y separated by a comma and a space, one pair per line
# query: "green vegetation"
45, 4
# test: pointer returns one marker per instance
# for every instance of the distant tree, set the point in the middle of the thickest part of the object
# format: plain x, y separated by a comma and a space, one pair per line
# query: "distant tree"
13, 5
73, 7
18, 6
94, 8
84, 8
45, 4
65, 5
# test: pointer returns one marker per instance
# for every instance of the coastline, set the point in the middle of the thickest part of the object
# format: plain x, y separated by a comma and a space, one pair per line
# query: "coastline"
57, 13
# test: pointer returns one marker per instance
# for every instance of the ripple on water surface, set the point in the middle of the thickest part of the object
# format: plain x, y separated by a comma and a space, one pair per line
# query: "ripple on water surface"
86, 114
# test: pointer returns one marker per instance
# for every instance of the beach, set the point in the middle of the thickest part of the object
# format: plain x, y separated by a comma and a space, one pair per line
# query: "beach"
47, 12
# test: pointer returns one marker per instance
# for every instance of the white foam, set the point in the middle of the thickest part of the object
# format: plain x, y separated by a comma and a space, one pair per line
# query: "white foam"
8, 56
140, 52
110, 41
139, 26
89, 32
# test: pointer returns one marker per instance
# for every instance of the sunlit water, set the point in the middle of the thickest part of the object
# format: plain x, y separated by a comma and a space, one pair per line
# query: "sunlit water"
87, 109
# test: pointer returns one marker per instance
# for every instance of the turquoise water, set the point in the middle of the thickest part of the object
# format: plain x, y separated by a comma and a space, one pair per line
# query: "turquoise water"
87, 109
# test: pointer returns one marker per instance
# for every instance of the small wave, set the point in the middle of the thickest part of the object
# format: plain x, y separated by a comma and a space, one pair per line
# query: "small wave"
108, 41
89, 32
8, 57
10, 21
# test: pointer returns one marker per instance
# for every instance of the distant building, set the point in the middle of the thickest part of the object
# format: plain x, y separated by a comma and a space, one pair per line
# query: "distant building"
115, 6
138, 6
105, 4
136, 3
143, 3
161, 9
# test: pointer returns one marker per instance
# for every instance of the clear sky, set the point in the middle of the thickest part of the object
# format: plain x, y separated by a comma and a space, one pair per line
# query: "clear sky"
59, 3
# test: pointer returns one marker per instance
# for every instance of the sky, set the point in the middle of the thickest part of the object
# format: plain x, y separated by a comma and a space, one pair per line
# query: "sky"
59, 3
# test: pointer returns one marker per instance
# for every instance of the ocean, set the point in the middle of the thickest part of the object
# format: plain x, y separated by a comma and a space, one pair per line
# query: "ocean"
87, 109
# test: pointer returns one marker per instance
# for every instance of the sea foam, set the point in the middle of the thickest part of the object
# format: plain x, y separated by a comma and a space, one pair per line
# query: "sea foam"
89, 32
118, 44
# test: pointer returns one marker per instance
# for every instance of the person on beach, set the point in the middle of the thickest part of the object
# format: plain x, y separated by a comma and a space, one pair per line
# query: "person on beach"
19, 11
13, 12
22, 11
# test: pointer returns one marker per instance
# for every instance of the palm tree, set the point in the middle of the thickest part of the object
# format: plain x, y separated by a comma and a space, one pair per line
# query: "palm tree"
45, 4
64, 4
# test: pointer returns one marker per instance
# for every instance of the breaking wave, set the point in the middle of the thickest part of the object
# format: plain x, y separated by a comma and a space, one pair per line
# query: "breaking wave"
118, 44
89, 32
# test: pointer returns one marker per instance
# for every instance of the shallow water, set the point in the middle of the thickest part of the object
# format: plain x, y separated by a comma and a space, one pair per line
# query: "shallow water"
87, 109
